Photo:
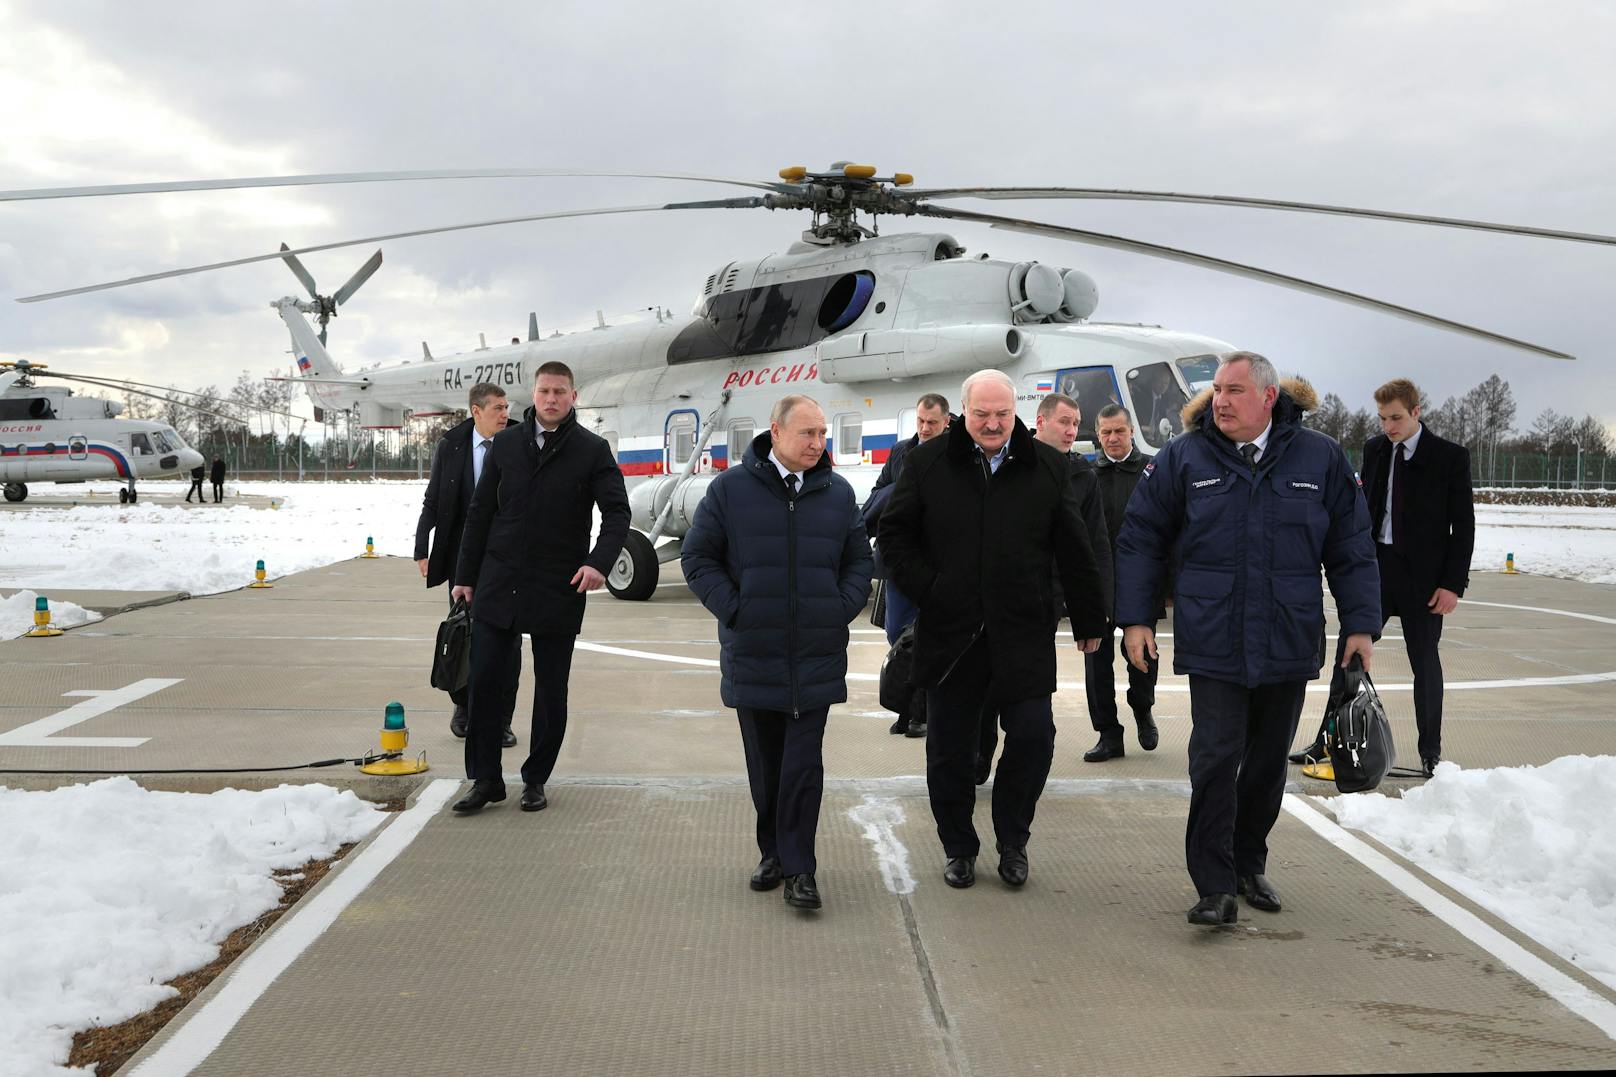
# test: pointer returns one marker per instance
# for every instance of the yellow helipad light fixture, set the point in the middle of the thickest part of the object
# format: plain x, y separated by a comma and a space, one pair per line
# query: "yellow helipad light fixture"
1324, 772
258, 577
794, 174
859, 171
370, 547
42, 619
395, 738
1509, 565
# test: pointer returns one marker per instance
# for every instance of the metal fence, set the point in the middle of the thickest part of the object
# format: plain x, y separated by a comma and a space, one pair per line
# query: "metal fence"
1506, 470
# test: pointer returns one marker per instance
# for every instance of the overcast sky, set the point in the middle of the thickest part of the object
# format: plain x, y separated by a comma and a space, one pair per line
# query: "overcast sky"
1497, 111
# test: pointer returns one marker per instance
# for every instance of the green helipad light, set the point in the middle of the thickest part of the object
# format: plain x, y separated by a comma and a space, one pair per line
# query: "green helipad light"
260, 566
370, 540
41, 603
395, 716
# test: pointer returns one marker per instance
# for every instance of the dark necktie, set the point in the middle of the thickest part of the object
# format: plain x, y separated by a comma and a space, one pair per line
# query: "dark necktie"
1249, 451
791, 486
1399, 477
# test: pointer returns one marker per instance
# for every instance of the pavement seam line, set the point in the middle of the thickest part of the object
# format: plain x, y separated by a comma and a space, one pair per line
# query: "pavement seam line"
1575, 997
953, 1050
204, 1030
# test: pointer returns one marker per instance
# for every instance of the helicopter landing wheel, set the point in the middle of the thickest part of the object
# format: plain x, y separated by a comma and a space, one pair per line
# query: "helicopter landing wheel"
16, 491
123, 497
634, 574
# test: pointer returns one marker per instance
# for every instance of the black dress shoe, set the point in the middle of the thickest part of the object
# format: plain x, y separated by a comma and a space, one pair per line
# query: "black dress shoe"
960, 872
1428, 766
900, 727
457, 723
984, 770
1105, 749
916, 728
767, 876
1149, 737
1313, 753
1013, 864
801, 893
508, 739
533, 797
1215, 909
1259, 893
484, 791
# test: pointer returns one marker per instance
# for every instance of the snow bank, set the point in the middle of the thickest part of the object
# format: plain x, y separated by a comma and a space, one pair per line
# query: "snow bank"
108, 890
211, 548
1569, 542
1534, 845
17, 614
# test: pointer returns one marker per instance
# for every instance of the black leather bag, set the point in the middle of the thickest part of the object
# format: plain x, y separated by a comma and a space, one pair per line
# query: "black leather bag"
1358, 734
897, 673
451, 660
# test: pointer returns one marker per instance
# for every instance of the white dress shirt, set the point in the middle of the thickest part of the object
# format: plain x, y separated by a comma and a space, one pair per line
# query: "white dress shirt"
783, 470
1261, 441
479, 449
1407, 449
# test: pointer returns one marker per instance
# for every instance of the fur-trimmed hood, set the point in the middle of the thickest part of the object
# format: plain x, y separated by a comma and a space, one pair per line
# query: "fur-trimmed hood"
1296, 397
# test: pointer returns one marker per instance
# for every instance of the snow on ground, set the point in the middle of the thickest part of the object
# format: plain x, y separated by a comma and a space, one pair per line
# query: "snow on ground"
1549, 540
17, 614
1534, 845
204, 549
108, 891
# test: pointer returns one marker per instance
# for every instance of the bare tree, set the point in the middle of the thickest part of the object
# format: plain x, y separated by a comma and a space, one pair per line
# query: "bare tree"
1331, 417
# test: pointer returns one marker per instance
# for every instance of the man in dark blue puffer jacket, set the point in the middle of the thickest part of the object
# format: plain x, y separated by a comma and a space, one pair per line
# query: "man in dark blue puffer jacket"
1246, 504
777, 552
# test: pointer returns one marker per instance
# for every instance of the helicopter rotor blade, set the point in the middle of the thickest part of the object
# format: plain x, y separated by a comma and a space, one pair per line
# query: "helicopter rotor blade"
732, 203
361, 275
323, 179
1256, 203
1101, 239
301, 273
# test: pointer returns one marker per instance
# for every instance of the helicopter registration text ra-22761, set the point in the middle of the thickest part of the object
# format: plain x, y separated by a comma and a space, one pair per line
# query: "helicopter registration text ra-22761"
864, 323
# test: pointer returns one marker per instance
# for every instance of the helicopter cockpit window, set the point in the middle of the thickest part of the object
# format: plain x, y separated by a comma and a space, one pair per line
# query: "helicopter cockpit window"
160, 439
775, 317
1093, 387
1157, 401
140, 445
1198, 371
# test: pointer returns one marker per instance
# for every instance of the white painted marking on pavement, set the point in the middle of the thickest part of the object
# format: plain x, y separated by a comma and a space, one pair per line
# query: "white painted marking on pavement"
1541, 609
250, 977
37, 734
1405, 686
879, 816
1594, 1009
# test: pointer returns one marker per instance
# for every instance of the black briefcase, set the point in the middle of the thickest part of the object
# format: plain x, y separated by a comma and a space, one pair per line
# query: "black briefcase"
1359, 736
451, 660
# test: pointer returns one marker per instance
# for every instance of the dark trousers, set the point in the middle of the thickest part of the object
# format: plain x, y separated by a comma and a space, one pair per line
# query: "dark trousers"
954, 720
508, 707
901, 613
786, 771
1422, 631
218, 492
196, 488
495, 669
1237, 776
1100, 685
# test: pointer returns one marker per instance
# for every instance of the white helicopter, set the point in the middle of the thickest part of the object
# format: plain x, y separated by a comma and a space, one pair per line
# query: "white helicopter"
48, 434
866, 323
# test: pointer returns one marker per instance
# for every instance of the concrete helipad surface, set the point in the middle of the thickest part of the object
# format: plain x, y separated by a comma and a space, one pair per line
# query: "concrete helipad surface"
614, 932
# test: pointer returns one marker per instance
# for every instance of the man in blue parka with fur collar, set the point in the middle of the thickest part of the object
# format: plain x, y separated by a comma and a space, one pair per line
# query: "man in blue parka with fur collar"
1247, 505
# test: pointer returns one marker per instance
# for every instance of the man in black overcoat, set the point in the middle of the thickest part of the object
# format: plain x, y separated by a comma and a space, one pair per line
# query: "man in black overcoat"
1422, 514
777, 553
526, 567
976, 522
216, 476
456, 466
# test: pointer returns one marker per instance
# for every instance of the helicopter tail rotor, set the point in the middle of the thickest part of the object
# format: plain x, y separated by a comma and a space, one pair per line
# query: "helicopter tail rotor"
324, 307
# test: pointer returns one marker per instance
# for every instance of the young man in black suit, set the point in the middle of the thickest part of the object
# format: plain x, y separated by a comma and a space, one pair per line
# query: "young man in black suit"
456, 466
1422, 515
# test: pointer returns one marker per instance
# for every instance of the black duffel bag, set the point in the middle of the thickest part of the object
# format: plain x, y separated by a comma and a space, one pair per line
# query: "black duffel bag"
451, 660
897, 673
1358, 735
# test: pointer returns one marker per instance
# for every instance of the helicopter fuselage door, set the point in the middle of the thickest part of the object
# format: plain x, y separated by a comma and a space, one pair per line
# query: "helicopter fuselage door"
679, 439
78, 447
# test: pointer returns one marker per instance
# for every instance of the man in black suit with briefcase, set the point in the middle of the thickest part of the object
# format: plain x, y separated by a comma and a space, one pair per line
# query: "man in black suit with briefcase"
1422, 515
456, 466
